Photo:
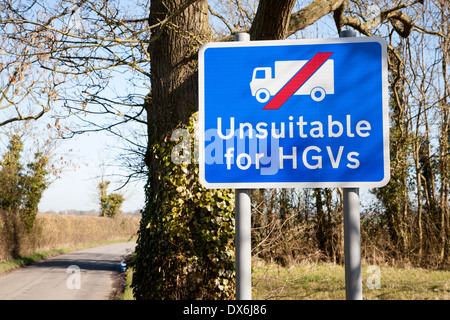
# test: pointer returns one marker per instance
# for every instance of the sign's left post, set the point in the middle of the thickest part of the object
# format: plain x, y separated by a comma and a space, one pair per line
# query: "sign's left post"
243, 237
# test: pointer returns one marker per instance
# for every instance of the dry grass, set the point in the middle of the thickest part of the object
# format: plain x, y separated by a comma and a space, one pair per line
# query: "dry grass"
52, 232
326, 281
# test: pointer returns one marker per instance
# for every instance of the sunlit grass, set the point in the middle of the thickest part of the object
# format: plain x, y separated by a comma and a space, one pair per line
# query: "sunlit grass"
128, 291
326, 281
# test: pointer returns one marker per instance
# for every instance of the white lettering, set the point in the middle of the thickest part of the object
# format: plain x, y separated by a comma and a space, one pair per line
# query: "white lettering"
239, 164
262, 133
316, 129
353, 160
241, 130
293, 157
257, 157
363, 125
317, 158
278, 133
349, 127
291, 127
331, 124
230, 131
319, 129
300, 124
200, 310
228, 156
335, 162
262, 148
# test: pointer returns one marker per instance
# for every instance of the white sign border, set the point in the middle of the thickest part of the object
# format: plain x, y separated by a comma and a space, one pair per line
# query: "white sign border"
322, 184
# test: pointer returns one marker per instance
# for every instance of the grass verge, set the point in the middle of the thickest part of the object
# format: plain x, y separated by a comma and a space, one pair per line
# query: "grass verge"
127, 293
326, 281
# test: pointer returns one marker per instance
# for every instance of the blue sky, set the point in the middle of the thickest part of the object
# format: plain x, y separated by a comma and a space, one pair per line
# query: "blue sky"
75, 189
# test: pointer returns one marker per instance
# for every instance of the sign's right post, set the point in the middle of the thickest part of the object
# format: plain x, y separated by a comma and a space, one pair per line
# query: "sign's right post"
352, 233
352, 244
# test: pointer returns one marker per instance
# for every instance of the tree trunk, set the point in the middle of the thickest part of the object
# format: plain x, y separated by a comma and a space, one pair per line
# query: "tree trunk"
183, 28
271, 20
173, 53
444, 140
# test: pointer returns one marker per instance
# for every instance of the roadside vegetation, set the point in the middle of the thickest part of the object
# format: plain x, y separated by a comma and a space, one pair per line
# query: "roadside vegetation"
25, 235
127, 293
326, 281
50, 234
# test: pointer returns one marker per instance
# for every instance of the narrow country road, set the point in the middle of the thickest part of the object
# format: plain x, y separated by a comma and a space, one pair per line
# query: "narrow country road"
80, 275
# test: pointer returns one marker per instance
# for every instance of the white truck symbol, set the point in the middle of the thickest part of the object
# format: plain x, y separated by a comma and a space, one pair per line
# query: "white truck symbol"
318, 85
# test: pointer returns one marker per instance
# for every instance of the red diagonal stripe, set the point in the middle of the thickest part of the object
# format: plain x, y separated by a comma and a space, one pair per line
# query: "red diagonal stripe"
298, 80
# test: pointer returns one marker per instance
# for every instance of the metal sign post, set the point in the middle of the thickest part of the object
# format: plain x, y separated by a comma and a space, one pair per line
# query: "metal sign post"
243, 245
243, 237
352, 233
352, 245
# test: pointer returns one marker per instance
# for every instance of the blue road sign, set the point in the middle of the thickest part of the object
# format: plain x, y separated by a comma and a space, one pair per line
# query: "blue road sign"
294, 113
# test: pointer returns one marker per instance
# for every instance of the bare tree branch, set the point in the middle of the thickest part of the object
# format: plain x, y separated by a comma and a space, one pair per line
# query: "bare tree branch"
312, 13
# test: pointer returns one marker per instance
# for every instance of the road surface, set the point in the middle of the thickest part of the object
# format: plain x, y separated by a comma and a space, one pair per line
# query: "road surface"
80, 275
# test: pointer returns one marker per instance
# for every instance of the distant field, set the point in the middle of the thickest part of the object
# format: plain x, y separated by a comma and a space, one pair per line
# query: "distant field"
324, 281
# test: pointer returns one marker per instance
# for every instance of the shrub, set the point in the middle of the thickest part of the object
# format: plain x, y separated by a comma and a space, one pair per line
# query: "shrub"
21, 189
